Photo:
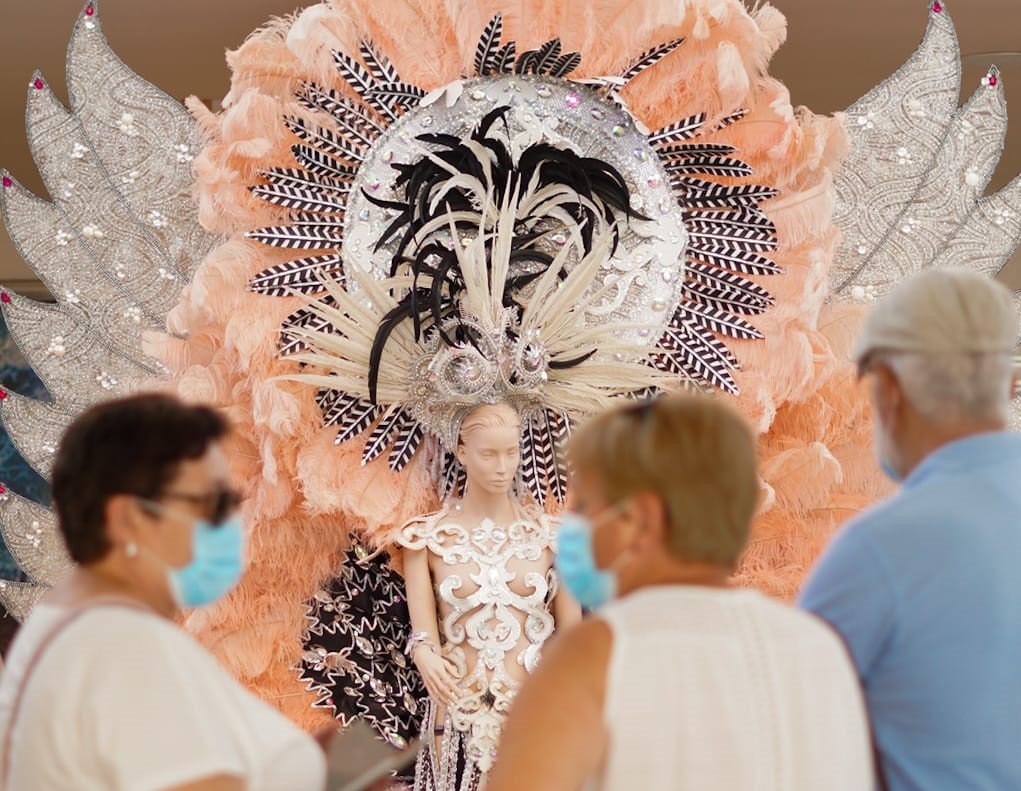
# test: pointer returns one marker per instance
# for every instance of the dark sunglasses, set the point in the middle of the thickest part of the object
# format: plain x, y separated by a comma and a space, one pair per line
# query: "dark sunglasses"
217, 505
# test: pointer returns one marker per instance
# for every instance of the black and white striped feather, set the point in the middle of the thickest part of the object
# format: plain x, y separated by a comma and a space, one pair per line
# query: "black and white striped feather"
380, 67
362, 81
452, 478
321, 164
383, 433
409, 437
300, 199
303, 179
300, 236
533, 459
694, 151
558, 427
301, 276
715, 278
338, 146
726, 234
686, 353
489, 43
723, 167
741, 305
503, 60
356, 419
353, 72
650, 58
352, 118
743, 261
396, 95
336, 405
546, 56
677, 131
720, 196
564, 65
721, 322
301, 319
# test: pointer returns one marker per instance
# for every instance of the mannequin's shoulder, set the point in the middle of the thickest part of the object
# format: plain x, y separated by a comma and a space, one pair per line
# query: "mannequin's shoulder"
414, 533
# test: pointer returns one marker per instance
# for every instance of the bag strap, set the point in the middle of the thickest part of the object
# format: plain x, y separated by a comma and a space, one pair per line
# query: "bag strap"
69, 617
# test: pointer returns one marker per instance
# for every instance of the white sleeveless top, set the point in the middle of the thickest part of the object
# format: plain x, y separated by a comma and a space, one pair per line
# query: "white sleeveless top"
725, 689
123, 700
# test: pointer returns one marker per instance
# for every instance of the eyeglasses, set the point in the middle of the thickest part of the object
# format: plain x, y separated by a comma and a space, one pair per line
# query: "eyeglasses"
217, 504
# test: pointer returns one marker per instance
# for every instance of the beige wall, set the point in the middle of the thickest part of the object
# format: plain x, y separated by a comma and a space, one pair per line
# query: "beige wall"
835, 52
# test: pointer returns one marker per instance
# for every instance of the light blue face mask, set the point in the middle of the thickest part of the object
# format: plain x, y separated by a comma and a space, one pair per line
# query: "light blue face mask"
576, 563
217, 559
216, 565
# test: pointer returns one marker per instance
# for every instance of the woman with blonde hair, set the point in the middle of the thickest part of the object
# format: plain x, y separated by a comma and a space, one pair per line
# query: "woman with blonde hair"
679, 681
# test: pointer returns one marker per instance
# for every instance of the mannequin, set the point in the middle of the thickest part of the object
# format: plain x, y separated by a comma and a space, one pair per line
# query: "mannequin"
483, 597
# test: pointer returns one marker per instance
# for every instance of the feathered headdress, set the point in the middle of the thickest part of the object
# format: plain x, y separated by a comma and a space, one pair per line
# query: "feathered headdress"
513, 237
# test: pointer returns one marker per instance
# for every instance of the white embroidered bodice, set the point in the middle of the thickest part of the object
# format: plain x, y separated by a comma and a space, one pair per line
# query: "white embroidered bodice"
494, 587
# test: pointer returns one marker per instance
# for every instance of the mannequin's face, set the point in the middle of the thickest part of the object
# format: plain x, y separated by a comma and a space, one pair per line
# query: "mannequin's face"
490, 455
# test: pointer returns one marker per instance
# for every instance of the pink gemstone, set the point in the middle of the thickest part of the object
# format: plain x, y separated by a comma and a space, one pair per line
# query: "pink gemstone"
992, 79
5, 297
573, 99
89, 10
3, 394
936, 7
7, 182
39, 84
3, 489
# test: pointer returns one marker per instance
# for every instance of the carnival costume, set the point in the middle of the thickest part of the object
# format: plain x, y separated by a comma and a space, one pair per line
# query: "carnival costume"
404, 212
495, 611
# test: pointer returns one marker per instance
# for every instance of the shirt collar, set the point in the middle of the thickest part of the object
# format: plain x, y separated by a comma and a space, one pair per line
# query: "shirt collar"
977, 450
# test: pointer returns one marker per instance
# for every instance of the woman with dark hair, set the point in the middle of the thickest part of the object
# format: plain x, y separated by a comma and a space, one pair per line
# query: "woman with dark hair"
102, 689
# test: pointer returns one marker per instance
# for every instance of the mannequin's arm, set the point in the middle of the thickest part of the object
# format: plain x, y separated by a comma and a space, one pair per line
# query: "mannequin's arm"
421, 599
437, 672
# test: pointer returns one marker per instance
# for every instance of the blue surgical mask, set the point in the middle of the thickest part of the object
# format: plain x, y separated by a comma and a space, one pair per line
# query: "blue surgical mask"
576, 562
216, 565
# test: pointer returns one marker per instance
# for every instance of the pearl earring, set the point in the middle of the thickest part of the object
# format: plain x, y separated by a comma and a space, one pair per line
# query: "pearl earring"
131, 549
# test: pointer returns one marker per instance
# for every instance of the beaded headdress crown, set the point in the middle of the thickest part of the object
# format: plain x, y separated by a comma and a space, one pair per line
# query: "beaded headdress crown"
513, 236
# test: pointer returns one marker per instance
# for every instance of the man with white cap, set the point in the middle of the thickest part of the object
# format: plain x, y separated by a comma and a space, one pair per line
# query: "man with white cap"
925, 587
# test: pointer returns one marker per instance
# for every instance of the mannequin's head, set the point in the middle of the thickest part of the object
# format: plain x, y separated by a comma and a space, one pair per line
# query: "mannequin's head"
489, 447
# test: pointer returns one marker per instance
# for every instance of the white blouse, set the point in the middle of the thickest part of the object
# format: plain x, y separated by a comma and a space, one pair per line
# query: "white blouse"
123, 700
725, 689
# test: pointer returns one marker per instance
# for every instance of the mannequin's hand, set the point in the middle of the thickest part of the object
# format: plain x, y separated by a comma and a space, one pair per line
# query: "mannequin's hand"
439, 675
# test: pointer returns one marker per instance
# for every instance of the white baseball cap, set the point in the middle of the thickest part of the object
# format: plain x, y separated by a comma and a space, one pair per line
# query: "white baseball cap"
941, 310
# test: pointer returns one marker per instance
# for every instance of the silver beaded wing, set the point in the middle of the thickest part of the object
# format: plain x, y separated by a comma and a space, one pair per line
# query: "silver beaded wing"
911, 193
114, 246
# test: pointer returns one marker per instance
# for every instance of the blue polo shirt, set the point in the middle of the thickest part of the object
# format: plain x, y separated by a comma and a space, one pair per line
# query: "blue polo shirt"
925, 589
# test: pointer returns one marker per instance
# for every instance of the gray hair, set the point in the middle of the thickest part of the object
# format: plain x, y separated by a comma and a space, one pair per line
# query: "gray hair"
952, 387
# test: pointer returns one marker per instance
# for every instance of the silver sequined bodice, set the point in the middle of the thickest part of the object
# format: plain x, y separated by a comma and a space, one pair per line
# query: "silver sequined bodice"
494, 590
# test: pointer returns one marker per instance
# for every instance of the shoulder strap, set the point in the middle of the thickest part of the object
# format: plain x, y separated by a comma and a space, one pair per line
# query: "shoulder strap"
62, 623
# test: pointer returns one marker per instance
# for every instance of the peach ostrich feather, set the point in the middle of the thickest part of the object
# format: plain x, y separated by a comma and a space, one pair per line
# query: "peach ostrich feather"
306, 496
